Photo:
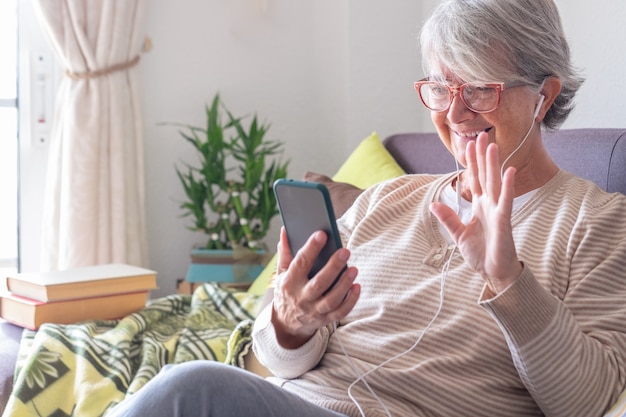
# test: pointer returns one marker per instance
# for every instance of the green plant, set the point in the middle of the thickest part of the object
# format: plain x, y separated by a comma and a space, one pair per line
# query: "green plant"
229, 194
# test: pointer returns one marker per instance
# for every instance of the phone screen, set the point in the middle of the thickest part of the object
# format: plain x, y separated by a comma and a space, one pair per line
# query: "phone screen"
305, 207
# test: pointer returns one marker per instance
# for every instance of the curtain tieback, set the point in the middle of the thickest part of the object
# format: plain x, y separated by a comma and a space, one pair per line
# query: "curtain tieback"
103, 71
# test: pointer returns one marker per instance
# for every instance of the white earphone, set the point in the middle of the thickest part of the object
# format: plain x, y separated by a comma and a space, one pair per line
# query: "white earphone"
539, 103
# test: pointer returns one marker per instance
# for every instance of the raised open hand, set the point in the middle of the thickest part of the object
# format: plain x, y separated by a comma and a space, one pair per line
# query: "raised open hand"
486, 242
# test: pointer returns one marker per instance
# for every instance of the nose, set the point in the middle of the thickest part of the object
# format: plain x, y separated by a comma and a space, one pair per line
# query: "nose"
458, 111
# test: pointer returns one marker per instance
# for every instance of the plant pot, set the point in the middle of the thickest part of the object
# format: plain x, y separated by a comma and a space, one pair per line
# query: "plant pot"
226, 265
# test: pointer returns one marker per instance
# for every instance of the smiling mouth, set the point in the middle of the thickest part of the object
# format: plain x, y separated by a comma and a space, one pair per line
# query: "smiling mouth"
471, 135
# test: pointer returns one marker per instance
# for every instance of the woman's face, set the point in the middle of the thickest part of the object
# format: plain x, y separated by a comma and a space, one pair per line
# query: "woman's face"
506, 125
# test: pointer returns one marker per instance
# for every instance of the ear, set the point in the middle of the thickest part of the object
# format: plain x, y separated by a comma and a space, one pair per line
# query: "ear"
550, 90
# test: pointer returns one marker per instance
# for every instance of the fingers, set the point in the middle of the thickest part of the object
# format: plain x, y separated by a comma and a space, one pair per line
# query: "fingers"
449, 219
472, 169
332, 289
481, 160
301, 306
346, 304
493, 182
328, 289
508, 191
306, 256
483, 168
284, 253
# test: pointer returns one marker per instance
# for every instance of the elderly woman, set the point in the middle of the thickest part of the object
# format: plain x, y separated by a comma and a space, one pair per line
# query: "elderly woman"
494, 290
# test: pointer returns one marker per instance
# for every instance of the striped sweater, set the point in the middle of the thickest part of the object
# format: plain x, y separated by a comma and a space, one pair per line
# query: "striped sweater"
554, 343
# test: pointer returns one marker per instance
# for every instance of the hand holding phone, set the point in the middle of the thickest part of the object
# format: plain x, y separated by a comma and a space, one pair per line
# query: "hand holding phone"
305, 207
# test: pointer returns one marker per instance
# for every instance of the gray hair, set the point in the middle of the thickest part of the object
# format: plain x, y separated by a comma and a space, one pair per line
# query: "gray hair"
502, 40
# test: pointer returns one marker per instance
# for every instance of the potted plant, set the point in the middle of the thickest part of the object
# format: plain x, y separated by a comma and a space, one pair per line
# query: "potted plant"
229, 195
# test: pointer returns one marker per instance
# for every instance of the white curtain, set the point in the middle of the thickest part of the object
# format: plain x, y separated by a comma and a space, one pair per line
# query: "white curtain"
94, 209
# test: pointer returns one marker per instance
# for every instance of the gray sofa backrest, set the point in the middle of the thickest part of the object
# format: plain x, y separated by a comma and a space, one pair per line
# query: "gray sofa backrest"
597, 154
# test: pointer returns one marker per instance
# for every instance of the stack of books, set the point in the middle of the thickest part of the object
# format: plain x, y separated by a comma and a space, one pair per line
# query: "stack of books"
98, 292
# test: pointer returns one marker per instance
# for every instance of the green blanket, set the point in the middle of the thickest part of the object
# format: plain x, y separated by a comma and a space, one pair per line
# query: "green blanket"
85, 369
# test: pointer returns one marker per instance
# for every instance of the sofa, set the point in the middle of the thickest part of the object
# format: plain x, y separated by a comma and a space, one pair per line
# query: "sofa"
598, 154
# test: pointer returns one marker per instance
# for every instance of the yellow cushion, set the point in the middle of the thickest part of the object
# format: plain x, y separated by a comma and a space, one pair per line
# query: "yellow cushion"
368, 164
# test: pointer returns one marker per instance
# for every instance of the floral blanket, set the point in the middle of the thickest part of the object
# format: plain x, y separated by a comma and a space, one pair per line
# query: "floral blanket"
86, 369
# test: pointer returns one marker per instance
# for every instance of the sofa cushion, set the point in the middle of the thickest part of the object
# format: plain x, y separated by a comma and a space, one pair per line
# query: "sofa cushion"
369, 163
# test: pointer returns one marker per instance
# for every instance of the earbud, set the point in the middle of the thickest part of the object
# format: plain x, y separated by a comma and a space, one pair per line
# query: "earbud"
541, 99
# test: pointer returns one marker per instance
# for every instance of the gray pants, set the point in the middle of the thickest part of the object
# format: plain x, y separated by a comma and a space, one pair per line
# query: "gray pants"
205, 388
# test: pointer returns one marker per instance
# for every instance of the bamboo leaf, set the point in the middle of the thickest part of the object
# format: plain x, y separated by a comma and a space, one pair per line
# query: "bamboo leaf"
229, 193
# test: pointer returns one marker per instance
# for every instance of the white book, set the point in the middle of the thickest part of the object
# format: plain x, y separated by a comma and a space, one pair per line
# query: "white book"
88, 281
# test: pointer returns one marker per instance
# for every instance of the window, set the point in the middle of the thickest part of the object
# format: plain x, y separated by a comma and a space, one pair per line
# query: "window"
8, 137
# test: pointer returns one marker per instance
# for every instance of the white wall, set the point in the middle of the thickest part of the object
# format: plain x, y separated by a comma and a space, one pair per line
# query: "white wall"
384, 63
597, 37
325, 73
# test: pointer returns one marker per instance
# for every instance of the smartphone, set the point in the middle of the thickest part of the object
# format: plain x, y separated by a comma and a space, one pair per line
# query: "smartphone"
305, 207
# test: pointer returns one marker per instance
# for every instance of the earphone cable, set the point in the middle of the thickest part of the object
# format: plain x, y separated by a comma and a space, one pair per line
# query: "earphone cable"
361, 377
